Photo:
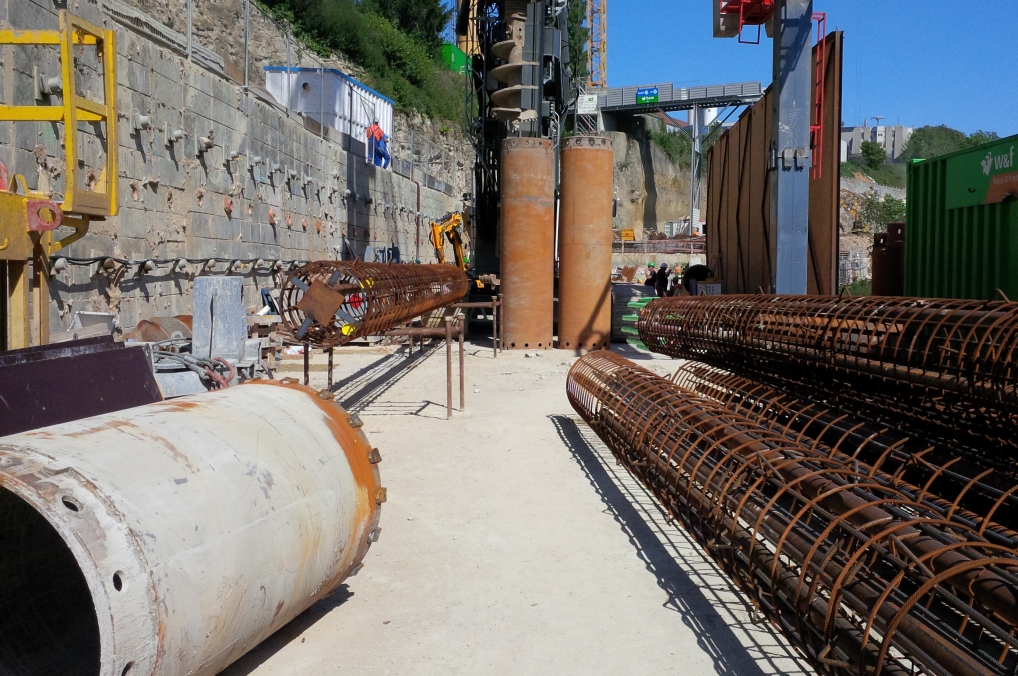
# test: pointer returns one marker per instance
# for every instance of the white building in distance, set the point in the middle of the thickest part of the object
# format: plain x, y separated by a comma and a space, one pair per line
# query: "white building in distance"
891, 138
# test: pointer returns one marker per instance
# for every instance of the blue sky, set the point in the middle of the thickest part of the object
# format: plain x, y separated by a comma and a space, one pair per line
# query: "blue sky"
932, 62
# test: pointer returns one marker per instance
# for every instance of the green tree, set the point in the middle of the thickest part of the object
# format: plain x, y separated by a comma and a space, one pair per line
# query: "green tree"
877, 212
982, 137
425, 20
873, 154
577, 35
929, 142
675, 144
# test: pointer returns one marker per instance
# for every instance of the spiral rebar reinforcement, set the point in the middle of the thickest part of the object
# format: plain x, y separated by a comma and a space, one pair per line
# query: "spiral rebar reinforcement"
948, 369
940, 477
330, 303
861, 578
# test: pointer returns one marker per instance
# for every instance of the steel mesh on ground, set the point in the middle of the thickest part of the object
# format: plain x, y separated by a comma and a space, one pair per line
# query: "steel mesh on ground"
862, 578
960, 488
944, 369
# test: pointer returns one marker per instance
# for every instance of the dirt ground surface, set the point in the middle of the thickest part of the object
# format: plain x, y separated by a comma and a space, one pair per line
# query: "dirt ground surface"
511, 541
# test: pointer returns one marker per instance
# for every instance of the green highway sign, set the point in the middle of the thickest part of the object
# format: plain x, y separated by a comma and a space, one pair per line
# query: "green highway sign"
647, 95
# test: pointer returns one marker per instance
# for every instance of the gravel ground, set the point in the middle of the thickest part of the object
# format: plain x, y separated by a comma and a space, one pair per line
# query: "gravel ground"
511, 542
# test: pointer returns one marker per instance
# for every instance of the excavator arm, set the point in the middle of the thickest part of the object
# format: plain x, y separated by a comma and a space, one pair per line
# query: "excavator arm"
449, 228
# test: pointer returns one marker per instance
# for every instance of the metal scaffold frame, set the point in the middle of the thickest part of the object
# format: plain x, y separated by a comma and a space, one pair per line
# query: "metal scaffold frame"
597, 44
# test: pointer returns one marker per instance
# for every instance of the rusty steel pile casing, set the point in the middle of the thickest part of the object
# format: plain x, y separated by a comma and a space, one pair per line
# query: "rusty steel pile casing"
960, 488
330, 303
945, 369
527, 242
585, 244
172, 538
861, 578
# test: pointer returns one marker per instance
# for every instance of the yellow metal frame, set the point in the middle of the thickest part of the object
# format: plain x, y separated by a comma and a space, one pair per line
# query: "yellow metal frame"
73, 32
30, 291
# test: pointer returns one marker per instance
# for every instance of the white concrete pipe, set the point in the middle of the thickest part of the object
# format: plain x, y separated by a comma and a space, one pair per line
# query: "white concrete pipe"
173, 538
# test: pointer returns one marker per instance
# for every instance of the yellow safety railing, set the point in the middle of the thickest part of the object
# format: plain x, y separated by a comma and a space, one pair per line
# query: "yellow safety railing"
28, 218
100, 200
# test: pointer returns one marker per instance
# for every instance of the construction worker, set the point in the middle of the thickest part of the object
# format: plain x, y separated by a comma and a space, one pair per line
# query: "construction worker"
373, 133
661, 280
382, 151
378, 150
650, 276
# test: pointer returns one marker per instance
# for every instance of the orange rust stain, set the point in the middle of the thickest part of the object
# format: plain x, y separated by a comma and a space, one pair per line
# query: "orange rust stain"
180, 405
110, 425
279, 607
356, 450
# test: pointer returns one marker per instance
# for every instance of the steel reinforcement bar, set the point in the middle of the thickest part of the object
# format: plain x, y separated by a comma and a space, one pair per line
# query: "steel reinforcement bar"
330, 303
861, 578
947, 368
954, 486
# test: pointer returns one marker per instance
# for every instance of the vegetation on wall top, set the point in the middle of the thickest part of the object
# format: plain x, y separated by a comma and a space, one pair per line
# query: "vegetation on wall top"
397, 42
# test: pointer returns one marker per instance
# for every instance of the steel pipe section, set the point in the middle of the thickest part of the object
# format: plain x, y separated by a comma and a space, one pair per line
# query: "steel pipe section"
958, 487
330, 303
174, 537
527, 243
861, 578
585, 244
947, 369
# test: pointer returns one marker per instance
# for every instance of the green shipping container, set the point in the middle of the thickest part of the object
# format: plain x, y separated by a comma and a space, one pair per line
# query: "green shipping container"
961, 232
455, 58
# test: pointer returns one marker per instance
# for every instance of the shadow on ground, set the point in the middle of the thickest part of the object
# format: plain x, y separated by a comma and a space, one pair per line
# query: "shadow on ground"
288, 633
696, 595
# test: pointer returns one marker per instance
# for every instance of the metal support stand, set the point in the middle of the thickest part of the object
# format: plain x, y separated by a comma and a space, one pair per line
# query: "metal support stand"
790, 154
501, 338
330, 368
448, 367
19, 289
307, 363
462, 330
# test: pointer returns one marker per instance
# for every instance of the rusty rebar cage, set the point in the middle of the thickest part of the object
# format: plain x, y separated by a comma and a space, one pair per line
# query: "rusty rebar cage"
861, 578
957, 487
330, 303
946, 369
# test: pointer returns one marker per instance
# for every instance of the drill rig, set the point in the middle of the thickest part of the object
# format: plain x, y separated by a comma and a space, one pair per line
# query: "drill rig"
518, 85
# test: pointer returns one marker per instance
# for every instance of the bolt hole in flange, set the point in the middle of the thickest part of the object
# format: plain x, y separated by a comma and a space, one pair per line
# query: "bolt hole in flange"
118, 581
127, 669
71, 504
48, 623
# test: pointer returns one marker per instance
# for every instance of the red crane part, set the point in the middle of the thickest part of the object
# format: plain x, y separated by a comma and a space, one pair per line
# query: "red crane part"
751, 13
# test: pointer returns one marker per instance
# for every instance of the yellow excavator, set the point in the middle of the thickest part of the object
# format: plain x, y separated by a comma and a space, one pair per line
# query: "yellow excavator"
451, 228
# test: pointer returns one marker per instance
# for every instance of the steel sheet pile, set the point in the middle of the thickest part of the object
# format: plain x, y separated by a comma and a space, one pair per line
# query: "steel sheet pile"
862, 572
330, 303
945, 370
